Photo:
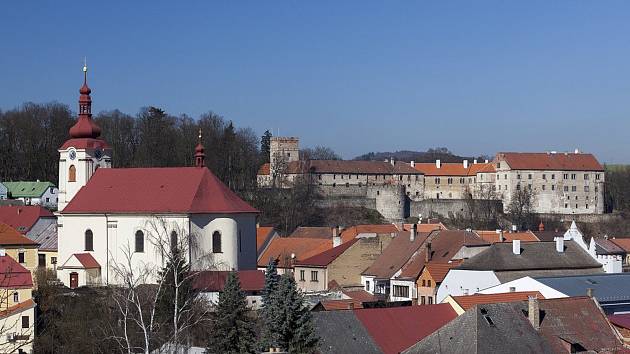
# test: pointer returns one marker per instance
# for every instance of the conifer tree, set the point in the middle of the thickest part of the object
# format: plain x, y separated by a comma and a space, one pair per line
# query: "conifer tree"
233, 330
295, 331
269, 325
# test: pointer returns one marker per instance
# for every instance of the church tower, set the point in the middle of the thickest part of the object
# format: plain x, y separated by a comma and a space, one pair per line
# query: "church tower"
84, 152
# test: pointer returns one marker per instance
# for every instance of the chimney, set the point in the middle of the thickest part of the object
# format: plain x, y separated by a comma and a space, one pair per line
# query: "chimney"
465, 163
486, 161
501, 237
577, 151
3, 252
428, 253
514, 228
541, 226
391, 160
19, 211
412, 232
516, 247
413, 164
533, 312
336, 236
438, 163
559, 244
351, 306
589, 292
474, 161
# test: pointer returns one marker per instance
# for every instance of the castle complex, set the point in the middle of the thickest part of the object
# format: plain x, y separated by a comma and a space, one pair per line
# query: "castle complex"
562, 183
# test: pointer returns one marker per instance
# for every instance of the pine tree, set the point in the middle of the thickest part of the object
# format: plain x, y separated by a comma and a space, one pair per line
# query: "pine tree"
233, 330
265, 146
295, 331
268, 331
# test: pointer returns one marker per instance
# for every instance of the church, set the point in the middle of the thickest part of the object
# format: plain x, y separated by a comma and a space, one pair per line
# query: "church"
113, 218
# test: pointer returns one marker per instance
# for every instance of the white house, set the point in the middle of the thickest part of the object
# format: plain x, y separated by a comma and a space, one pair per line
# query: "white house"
611, 263
107, 215
33, 192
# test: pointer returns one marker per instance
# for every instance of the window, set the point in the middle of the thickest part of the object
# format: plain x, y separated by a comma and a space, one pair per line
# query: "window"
139, 241
498, 165
314, 275
216, 242
573, 188
566, 205
566, 188
437, 180
518, 187
529, 176
565, 176
367, 285
586, 176
586, 206
597, 176
21, 257
573, 176
401, 291
302, 271
518, 176
449, 180
89, 240
430, 299
422, 300
544, 176
424, 282
53, 260
461, 181
429, 283
586, 189
544, 187
25, 322
553, 176
72, 174
16, 297
553, 187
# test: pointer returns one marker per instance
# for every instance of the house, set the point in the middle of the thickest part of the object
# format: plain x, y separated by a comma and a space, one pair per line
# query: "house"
342, 264
210, 283
107, 213
624, 244
376, 278
378, 330
425, 270
33, 193
444, 180
19, 247
47, 251
612, 291
464, 303
564, 183
286, 251
17, 308
264, 235
568, 325
504, 262
27, 219
612, 262
4, 192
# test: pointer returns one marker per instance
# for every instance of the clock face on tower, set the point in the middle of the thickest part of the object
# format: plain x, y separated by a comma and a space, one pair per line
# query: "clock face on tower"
98, 153
72, 154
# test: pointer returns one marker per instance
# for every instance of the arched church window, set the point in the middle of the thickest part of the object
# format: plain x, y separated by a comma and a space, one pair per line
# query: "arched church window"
89, 240
216, 242
139, 241
174, 241
72, 174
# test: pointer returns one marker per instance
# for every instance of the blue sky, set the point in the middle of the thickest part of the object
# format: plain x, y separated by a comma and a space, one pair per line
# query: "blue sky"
475, 76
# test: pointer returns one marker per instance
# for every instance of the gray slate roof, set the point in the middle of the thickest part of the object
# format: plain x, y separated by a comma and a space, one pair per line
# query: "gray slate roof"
47, 238
491, 328
342, 332
606, 287
533, 256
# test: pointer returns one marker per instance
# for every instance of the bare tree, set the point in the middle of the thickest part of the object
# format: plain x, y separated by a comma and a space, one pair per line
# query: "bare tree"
521, 206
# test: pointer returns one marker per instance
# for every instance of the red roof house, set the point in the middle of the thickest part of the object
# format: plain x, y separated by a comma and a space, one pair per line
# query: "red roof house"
23, 217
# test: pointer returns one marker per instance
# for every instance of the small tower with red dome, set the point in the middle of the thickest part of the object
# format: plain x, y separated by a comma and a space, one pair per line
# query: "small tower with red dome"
85, 152
200, 155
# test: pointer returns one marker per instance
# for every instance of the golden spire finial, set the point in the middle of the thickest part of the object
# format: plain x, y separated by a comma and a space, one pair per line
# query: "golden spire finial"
200, 135
84, 64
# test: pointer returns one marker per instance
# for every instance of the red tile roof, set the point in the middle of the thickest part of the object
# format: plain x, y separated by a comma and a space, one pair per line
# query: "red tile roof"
281, 249
87, 260
360, 295
22, 218
17, 308
624, 243
551, 161
426, 227
212, 281
454, 169
11, 237
353, 231
341, 304
396, 328
469, 301
262, 234
150, 190
438, 271
493, 236
325, 232
265, 169
13, 275
325, 258
621, 320
395, 255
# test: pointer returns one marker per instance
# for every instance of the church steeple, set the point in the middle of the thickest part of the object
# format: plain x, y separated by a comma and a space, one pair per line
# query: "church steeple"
85, 127
200, 155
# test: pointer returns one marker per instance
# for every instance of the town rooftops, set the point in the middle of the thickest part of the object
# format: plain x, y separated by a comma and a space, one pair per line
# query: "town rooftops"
493, 236
324, 232
282, 249
11, 237
188, 190
607, 247
22, 218
214, 281
394, 329
606, 287
342, 332
325, 258
551, 161
532, 256
468, 301
47, 238
438, 271
623, 243
263, 235
13, 275
454, 169
490, 328
354, 231
395, 255
27, 189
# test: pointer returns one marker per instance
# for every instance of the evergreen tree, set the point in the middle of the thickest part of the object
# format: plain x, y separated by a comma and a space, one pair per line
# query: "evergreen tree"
268, 331
233, 330
295, 331
265, 146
